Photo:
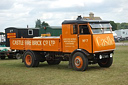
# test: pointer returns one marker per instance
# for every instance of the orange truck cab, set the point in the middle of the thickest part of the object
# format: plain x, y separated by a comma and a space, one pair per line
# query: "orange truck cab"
82, 42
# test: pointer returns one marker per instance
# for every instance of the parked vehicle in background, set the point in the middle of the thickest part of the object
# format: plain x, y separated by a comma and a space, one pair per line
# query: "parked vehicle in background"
14, 32
117, 39
5, 51
122, 34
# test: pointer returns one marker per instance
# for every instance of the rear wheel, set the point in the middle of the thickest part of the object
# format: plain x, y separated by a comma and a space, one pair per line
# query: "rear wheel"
106, 62
79, 62
18, 56
53, 62
30, 59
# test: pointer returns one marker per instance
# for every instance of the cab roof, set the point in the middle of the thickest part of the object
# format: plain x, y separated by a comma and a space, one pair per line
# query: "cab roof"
84, 21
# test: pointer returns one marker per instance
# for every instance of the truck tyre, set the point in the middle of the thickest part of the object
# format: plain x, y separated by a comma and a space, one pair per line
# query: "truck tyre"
2, 57
53, 62
106, 62
18, 56
79, 61
30, 60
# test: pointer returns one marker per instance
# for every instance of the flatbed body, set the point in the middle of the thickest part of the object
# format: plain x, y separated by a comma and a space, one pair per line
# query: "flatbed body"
37, 44
67, 45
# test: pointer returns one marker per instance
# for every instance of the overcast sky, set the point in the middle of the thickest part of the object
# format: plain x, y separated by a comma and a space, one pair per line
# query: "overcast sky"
20, 13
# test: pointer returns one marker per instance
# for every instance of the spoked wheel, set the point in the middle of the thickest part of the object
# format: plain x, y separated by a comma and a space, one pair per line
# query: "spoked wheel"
53, 62
79, 62
30, 59
106, 62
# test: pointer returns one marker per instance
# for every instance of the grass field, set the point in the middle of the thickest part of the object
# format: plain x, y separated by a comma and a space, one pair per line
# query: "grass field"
13, 72
125, 41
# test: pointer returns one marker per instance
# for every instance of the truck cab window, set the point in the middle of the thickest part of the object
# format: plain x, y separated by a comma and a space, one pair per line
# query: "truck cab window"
84, 29
75, 29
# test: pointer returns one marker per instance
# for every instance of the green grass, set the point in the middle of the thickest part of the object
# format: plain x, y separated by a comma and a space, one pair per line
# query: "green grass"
125, 41
13, 72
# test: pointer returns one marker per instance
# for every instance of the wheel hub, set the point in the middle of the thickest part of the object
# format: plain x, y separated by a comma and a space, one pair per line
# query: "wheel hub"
77, 62
28, 60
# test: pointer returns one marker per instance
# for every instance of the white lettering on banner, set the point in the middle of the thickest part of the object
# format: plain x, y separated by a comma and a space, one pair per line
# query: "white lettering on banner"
49, 42
18, 42
36, 42
45, 42
107, 41
84, 40
69, 42
27, 42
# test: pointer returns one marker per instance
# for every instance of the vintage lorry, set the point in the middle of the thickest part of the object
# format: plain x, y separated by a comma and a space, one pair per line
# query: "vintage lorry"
82, 42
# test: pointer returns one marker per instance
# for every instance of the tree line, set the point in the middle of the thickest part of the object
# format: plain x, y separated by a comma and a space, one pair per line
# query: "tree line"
40, 24
118, 26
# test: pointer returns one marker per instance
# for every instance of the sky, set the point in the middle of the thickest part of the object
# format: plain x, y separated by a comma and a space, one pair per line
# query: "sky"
20, 13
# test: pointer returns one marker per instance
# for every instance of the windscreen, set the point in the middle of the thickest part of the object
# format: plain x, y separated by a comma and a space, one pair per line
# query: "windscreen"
101, 28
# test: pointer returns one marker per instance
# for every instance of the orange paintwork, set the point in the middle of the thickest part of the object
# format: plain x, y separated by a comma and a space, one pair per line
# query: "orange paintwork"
28, 60
78, 62
44, 35
103, 42
38, 44
70, 41
67, 42
11, 35
85, 42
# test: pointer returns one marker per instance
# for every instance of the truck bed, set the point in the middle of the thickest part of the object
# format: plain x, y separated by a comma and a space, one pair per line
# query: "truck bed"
36, 44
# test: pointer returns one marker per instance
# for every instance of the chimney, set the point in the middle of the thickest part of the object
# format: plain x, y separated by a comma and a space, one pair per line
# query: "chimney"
27, 26
91, 15
79, 18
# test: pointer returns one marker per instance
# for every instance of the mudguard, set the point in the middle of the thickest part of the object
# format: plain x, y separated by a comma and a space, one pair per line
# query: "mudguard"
80, 50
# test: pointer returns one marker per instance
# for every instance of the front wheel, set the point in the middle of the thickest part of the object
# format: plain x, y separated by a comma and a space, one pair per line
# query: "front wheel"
79, 61
106, 62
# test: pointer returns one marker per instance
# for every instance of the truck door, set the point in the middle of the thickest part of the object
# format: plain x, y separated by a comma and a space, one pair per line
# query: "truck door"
85, 41
70, 37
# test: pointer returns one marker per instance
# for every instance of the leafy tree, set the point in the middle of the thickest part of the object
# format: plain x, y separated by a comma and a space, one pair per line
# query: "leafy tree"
38, 23
118, 26
45, 24
122, 26
114, 25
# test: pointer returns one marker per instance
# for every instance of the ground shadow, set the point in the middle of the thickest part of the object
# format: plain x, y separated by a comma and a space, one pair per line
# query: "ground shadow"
61, 66
66, 67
